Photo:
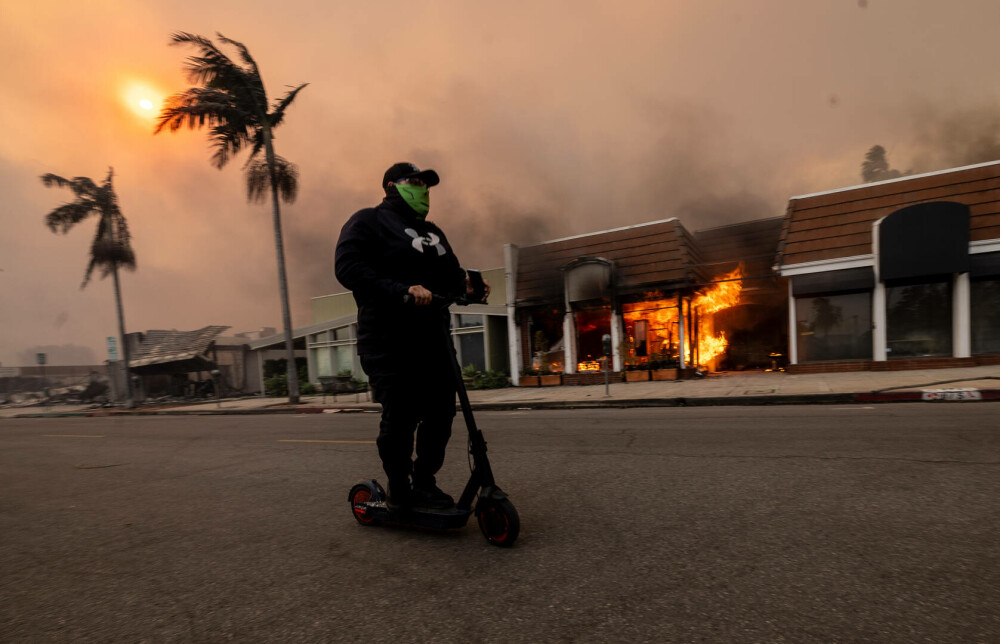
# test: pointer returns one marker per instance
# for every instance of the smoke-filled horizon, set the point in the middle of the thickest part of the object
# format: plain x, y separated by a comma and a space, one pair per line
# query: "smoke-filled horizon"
544, 119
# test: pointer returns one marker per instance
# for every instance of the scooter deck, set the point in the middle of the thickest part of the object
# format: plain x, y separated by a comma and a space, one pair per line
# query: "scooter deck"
423, 517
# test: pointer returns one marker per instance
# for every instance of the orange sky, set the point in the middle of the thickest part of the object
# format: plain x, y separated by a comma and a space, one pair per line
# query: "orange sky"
543, 118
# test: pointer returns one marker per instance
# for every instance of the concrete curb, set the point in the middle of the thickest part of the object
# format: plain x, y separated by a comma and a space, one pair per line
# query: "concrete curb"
876, 397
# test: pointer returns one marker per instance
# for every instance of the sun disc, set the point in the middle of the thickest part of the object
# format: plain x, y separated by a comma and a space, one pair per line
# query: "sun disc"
141, 98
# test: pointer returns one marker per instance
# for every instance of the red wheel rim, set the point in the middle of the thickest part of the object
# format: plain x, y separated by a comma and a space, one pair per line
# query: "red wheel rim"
360, 496
495, 524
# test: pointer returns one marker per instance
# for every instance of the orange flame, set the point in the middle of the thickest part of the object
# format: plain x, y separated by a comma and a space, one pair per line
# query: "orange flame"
661, 314
723, 294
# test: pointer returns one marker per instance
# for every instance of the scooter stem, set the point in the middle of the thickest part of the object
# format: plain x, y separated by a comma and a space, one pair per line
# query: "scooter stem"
477, 442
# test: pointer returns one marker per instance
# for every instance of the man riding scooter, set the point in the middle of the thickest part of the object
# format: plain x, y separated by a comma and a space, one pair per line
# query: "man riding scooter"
385, 253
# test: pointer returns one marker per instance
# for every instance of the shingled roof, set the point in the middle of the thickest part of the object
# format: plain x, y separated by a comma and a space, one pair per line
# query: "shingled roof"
161, 347
654, 253
838, 224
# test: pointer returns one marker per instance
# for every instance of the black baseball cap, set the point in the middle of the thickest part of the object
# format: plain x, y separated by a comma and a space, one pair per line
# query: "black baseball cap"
410, 171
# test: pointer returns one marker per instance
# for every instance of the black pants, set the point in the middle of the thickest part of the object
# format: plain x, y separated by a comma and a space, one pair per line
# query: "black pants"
417, 394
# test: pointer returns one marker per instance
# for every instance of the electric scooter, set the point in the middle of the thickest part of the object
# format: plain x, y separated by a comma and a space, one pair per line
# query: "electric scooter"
497, 518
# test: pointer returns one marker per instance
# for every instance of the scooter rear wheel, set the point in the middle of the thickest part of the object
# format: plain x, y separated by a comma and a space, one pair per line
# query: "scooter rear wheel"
361, 493
498, 521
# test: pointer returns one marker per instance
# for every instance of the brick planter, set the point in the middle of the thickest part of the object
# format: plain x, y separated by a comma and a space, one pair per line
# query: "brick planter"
663, 374
591, 378
637, 376
528, 381
550, 380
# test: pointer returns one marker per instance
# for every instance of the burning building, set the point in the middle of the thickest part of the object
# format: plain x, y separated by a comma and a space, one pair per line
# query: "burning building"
668, 299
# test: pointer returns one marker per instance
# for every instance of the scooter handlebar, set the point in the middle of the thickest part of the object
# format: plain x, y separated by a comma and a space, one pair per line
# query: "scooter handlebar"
409, 300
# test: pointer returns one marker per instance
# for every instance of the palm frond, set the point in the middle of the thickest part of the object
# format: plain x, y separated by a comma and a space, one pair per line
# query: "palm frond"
196, 106
81, 186
244, 53
213, 61
87, 202
278, 112
215, 70
258, 145
50, 180
63, 218
228, 138
259, 180
111, 246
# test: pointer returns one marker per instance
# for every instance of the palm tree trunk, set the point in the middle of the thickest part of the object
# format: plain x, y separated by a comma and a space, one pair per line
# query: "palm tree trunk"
129, 398
286, 317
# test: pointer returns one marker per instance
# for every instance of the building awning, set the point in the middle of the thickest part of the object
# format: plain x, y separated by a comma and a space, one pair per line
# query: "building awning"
842, 281
984, 265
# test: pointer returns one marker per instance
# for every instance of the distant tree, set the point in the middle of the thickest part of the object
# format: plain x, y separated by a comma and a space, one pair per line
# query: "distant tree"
112, 245
876, 166
231, 100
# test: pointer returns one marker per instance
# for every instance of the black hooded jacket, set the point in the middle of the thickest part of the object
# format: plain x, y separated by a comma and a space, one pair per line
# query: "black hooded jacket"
381, 253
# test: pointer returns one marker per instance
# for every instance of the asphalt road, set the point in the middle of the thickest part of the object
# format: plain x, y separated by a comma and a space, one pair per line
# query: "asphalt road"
763, 524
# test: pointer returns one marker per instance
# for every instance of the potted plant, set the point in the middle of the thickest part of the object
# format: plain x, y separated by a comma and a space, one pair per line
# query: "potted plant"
343, 381
529, 378
664, 367
636, 372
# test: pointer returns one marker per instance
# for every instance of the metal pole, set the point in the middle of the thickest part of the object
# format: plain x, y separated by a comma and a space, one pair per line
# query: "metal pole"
681, 358
692, 333
606, 340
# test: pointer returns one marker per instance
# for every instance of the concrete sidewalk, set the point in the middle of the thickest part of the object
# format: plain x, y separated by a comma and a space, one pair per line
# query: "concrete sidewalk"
736, 388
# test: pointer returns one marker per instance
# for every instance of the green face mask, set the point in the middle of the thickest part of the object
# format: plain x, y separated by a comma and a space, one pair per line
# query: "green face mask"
417, 197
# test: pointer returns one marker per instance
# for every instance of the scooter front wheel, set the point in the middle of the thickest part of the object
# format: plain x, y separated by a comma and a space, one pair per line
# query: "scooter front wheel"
498, 521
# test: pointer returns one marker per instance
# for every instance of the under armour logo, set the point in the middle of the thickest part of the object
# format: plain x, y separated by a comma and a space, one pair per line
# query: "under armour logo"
430, 239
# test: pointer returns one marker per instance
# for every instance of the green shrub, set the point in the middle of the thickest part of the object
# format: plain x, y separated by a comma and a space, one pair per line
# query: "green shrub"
276, 378
491, 380
276, 385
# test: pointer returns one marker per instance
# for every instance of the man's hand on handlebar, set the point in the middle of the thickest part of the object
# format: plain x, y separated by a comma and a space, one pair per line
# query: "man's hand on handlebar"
421, 296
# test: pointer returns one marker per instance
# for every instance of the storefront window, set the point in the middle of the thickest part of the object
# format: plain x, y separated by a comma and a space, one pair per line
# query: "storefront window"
465, 320
343, 358
834, 327
591, 325
918, 320
985, 295
321, 358
546, 326
472, 348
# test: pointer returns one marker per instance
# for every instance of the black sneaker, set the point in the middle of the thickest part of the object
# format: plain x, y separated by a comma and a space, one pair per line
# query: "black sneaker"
400, 497
432, 497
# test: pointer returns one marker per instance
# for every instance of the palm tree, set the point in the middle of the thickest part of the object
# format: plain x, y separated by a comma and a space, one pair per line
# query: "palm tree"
111, 247
231, 100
